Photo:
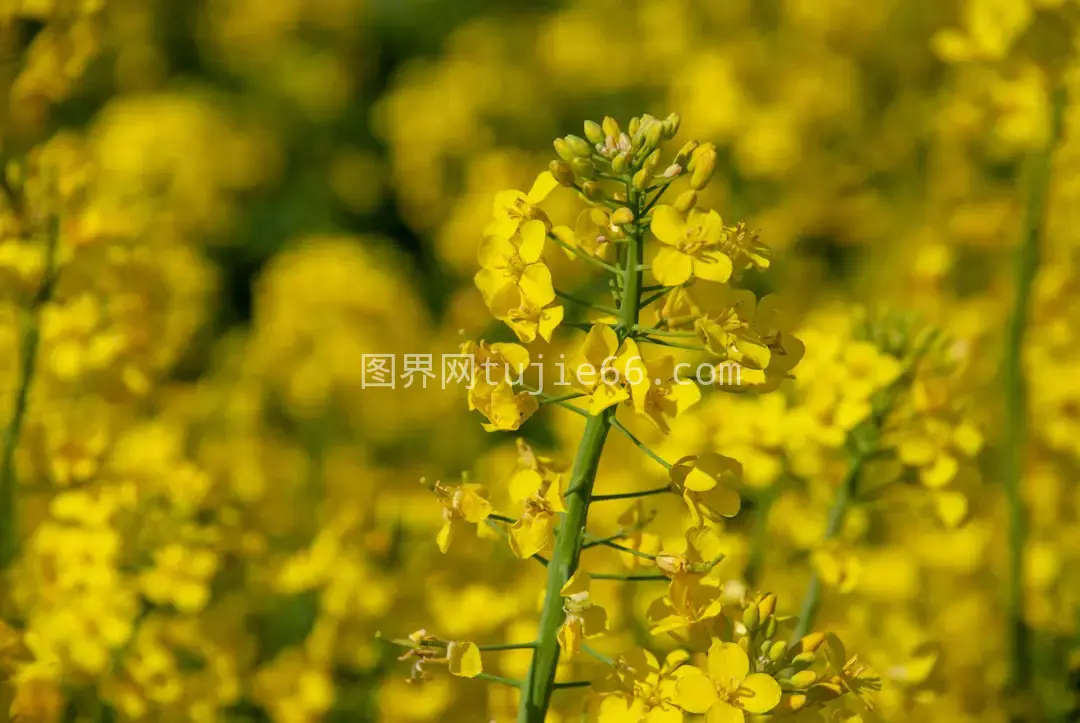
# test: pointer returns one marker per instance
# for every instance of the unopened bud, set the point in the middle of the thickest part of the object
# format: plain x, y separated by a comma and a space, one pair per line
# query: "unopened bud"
685, 201
770, 627
623, 216
777, 651
641, 179
654, 134
804, 679
668, 564
767, 605
583, 167
562, 172
751, 618
671, 125
635, 126
592, 191
594, 132
810, 643
619, 163
704, 167
579, 146
803, 660
682, 158
563, 149
652, 162
611, 127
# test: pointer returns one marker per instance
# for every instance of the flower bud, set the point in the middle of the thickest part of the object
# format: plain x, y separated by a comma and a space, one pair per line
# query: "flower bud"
619, 163
594, 132
579, 146
668, 564
635, 126
563, 149
682, 158
803, 660
592, 191
751, 618
777, 651
654, 134
651, 162
671, 125
804, 679
767, 605
641, 180
770, 627
810, 643
685, 201
611, 127
623, 216
583, 167
704, 168
562, 172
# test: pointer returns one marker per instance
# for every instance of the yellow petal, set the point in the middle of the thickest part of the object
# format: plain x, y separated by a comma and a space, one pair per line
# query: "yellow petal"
495, 252
672, 267
464, 660
668, 225
550, 319
531, 243
594, 621
941, 472
530, 535
727, 661
759, 693
515, 355
536, 286
698, 481
578, 583
712, 266
709, 224
472, 505
724, 713
444, 536
524, 484
695, 692
544, 184
722, 500
663, 714
952, 507
570, 637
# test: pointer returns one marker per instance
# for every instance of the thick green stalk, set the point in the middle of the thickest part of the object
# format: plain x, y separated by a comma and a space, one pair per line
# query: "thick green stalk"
30, 323
1015, 391
540, 682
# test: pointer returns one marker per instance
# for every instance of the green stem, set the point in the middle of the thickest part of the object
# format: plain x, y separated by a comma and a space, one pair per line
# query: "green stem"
30, 322
487, 677
639, 577
583, 303
631, 495
583, 255
540, 682
759, 537
621, 548
641, 445
1016, 408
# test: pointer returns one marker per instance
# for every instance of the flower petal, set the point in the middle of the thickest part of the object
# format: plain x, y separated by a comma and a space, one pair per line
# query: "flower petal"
712, 266
727, 661
759, 693
668, 225
536, 286
531, 247
672, 267
696, 693
464, 660
544, 184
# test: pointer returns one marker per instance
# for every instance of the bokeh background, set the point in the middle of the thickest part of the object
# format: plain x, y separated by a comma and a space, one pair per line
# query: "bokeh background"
215, 520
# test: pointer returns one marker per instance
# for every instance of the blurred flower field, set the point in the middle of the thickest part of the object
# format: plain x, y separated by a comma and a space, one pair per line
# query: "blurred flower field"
234, 234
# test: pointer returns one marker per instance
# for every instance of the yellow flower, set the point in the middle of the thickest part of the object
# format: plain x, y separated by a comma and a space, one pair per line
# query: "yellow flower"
690, 600
542, 496
641, 690
691, 246
583, 618
728, 691
525, 319
662, 397
609, 371
593, 232
849, 675
516, 261
514, 209
492, 392
460, 503
180, 576
705, 485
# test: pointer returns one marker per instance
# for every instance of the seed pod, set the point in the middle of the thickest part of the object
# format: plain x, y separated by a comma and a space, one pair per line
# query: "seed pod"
622, 216
579, 146
583, 167
594, 132
563, 149
562, 172
686, 201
